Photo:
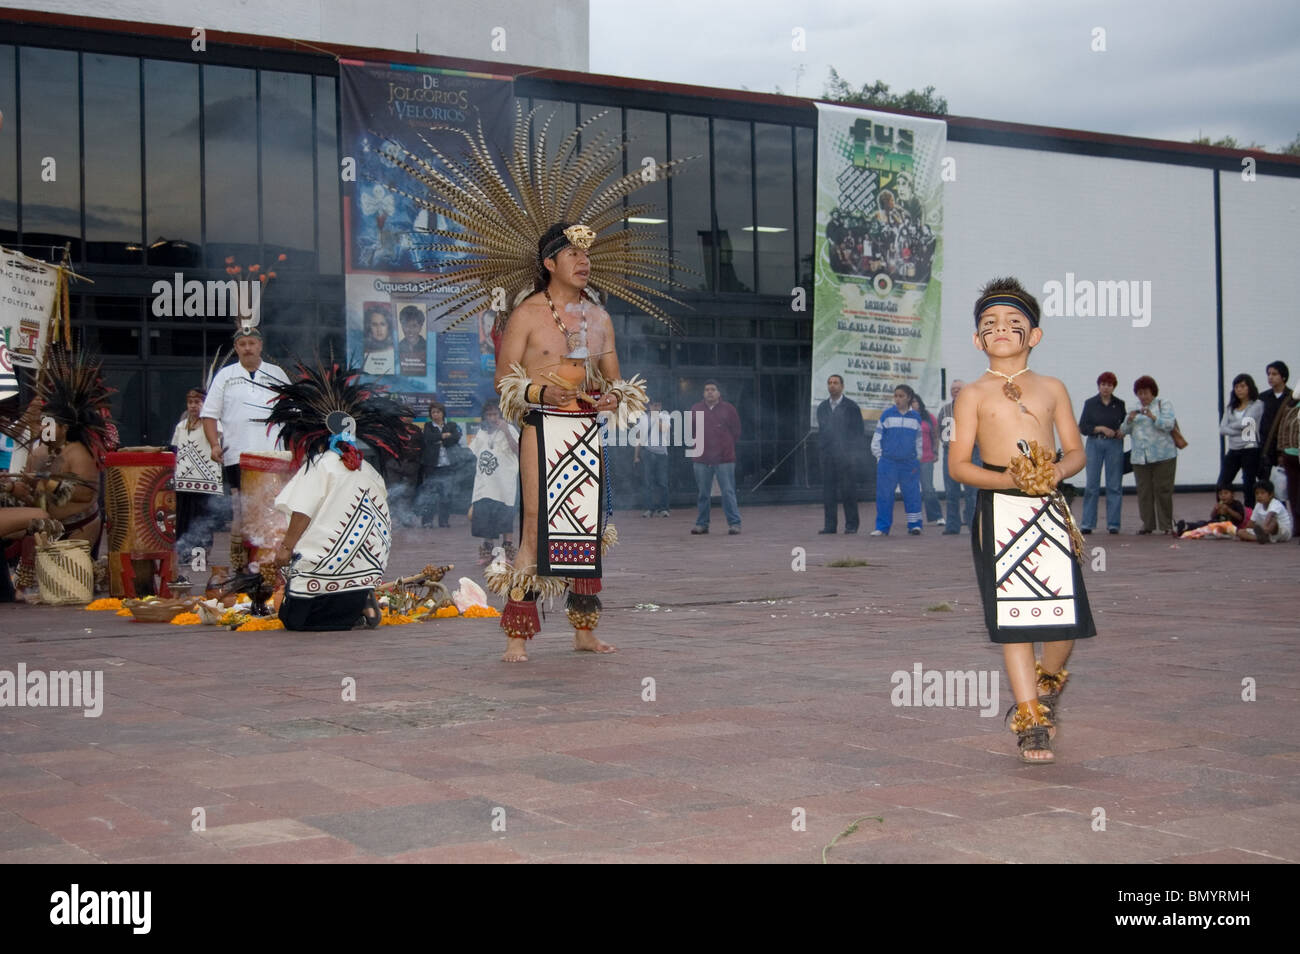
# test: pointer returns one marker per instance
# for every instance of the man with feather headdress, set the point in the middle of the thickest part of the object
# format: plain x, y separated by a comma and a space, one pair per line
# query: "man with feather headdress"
66, 459
336, 547
550, 226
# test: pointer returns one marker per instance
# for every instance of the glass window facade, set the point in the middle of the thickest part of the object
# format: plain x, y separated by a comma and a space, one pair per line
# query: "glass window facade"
49, 107
114, 202
733, 189
188, 161
8, 149
288, 212
232, 224
172, 166
690, 192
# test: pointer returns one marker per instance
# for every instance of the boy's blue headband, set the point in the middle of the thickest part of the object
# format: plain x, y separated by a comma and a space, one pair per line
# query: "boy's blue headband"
1009, 299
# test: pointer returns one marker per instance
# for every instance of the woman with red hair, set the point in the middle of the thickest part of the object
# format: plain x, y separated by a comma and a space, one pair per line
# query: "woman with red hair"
1103, 413
1155, 456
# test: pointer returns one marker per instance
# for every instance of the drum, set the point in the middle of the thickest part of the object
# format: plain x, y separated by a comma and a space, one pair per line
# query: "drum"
140, 512
65, 573
261, 478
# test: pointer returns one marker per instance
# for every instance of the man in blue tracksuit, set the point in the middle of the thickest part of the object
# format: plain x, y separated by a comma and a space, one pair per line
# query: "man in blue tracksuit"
897, 447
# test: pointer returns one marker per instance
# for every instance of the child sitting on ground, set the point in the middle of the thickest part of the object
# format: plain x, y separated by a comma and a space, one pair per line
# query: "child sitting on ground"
1227, 510
1269, 521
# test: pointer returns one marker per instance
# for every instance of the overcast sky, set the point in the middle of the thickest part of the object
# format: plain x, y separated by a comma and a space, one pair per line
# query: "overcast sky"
1170, 69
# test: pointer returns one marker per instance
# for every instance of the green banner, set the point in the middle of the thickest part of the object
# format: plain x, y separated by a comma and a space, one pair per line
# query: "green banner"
879, 248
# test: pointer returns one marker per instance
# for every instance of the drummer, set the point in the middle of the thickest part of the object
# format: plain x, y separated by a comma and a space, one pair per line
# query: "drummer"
65, 462
240, 394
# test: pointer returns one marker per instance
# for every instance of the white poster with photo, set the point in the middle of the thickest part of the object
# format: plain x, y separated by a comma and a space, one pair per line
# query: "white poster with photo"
27, 290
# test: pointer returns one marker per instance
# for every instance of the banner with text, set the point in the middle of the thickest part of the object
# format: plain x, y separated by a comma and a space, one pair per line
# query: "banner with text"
27, 298
878, 255
390, 307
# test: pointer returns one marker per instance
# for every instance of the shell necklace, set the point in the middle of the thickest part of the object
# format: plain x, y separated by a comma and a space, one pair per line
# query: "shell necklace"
1011, 389
572, 339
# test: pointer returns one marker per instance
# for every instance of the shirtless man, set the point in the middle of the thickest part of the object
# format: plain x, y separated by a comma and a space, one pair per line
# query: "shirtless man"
63, 480
539, 334
1020, 543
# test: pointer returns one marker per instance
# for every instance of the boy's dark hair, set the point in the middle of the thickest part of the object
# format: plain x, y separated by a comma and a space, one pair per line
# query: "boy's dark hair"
1225, 486
439, 406
713, 382
1281, 368
1264, 483
411, 313
490, 405
1007, 291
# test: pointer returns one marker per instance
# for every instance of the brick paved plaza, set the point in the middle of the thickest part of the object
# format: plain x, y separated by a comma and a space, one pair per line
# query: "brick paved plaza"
772, 693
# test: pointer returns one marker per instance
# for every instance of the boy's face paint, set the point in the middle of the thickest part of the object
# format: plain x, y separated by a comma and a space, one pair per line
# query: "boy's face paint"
1004, 331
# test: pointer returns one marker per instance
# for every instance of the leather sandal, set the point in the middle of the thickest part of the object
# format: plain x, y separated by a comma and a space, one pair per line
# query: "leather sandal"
1032, 725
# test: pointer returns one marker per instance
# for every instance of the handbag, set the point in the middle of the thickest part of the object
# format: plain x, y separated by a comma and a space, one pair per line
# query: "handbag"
1179, 441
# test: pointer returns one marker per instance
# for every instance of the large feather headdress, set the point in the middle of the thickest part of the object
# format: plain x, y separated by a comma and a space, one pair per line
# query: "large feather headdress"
70, 389
328, 404
503, 212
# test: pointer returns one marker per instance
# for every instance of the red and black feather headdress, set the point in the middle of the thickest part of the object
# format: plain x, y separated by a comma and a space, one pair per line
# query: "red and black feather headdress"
308, 411
70, 389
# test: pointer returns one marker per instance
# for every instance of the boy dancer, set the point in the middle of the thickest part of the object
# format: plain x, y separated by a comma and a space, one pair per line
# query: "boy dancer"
1023, 544
897, 447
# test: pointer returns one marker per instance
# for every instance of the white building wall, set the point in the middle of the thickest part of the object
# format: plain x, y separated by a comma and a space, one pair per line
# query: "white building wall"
552, 34
1260, 221
1040, 215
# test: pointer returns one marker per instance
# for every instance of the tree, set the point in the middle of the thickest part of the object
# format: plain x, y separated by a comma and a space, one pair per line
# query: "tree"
877, 94
1229, 142
1292, 148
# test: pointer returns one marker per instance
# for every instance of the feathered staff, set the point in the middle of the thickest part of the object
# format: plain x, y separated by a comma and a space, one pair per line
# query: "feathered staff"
328, 408
502, 213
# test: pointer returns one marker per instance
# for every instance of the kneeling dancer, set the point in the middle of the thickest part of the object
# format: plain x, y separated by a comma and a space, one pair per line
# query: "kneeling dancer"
1027, 550
340, 534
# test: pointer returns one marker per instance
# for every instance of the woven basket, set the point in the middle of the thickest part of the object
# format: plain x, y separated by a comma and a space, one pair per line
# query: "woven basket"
158, 611
65, 573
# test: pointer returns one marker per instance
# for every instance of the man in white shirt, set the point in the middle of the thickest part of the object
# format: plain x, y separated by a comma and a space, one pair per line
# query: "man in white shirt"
1270, 522
238, 398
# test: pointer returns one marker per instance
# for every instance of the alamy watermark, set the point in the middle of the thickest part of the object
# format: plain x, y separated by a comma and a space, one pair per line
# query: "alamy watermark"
948, 688
234, 298
656, 429
81, 689
1084, 298
75, 906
